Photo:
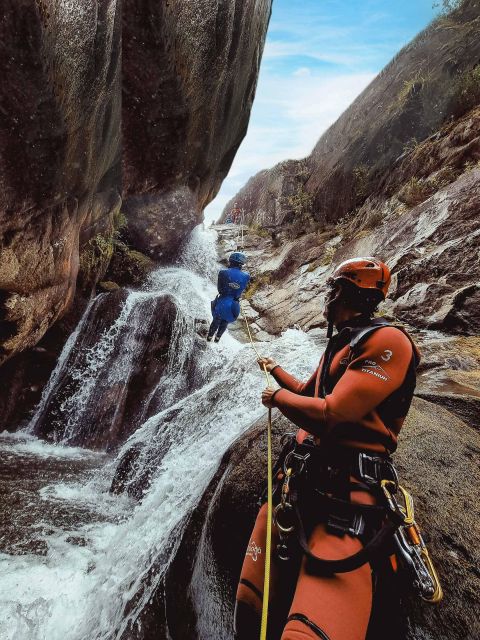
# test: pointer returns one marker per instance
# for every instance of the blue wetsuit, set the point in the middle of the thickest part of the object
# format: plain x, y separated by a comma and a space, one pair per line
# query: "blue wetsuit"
232, 282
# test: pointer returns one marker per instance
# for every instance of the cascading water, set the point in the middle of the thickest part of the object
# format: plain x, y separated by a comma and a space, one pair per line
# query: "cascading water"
85, 553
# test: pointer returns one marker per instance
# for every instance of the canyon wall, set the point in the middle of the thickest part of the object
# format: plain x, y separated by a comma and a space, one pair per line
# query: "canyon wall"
189, 77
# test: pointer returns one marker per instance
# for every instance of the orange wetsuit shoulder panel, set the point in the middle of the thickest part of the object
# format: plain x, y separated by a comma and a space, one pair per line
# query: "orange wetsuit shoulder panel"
378, 368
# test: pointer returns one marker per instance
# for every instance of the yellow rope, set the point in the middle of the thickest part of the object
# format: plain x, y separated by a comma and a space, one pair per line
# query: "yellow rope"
268, 545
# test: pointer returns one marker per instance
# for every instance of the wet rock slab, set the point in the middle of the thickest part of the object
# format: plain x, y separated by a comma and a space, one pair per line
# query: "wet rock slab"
107, 403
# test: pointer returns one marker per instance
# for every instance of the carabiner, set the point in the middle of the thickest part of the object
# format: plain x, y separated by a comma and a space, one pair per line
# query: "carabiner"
281, 508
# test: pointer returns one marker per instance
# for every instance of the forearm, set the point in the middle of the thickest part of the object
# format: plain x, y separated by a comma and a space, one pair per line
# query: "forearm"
305, 412
289, 382
286, 380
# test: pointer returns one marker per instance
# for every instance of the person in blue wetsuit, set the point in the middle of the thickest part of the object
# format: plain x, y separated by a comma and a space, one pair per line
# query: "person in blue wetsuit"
232, 282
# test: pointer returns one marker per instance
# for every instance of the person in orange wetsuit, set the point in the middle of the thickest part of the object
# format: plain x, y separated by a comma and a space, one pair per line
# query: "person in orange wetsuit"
350, 413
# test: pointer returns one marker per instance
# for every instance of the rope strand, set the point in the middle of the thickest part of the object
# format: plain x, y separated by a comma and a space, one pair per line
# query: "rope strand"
268, 543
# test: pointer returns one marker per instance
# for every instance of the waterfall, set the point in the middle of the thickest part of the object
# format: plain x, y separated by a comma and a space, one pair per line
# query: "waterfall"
88, 581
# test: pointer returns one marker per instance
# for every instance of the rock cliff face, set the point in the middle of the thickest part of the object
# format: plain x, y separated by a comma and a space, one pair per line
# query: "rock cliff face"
422, 220
403, 185
434, 78
189, 77
59, 155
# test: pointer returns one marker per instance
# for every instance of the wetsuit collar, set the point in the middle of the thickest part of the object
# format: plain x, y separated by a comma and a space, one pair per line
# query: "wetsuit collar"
356, 321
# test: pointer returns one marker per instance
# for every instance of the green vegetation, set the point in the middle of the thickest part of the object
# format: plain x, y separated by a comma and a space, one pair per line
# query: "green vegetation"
466, 93
361, 174
108, 285
128, 267
324, 261
411, 145
471, 164
409, 88
447, 6
257, 283
106, 254
119, 221
301, 205
96, 255
257, 230
415, 191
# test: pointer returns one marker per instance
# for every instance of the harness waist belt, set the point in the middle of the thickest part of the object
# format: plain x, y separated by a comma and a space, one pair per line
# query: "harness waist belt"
315, 462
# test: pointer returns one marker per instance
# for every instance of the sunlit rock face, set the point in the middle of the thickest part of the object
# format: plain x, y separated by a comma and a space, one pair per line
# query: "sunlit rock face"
402, 184
189, 76
430, 81
59, 156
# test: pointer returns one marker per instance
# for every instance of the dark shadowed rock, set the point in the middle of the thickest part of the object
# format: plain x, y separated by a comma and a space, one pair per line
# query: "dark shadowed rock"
197, 599
189, 77
108, 380
59, 156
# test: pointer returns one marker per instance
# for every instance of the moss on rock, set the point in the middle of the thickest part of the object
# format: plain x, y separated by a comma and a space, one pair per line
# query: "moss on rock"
128, 267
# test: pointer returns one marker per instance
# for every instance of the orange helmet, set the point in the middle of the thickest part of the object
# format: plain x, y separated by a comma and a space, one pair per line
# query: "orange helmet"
365, 273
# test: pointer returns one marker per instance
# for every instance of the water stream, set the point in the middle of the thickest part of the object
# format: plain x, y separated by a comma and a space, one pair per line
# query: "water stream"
73, 556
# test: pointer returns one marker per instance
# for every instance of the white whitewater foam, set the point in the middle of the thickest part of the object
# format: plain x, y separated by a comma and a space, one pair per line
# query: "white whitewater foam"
80, 592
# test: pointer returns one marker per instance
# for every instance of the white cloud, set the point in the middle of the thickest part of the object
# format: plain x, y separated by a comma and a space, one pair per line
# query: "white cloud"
302, 72
289, 115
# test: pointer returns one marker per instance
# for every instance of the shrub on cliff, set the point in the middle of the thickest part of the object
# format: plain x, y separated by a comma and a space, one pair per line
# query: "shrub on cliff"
466, 91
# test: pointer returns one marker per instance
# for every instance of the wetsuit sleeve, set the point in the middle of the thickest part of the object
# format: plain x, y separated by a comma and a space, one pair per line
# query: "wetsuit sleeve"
377, 370
287, 381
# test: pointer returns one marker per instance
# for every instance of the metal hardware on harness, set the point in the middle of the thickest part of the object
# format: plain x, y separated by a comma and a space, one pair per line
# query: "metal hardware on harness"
286, 486
410, 546
283, 552
292, 459
371, 467
283, 509
284, 505
353, 526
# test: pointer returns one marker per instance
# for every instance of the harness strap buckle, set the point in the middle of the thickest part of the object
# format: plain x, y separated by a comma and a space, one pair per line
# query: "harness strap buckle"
296, 462
281, 510
339, 526
373, 469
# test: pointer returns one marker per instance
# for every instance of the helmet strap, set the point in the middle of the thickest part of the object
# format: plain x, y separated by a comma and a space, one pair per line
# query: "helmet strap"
329, 330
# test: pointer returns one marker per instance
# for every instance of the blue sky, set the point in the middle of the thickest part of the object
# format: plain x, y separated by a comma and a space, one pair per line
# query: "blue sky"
319, 55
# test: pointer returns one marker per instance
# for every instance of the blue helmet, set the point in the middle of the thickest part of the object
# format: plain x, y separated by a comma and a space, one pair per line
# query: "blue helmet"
237, 258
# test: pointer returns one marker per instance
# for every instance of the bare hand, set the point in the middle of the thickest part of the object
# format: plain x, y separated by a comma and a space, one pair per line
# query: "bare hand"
267, 363
267, 397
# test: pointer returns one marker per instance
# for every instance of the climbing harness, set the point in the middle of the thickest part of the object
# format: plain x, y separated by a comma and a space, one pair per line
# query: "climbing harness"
268, 543
310, 480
